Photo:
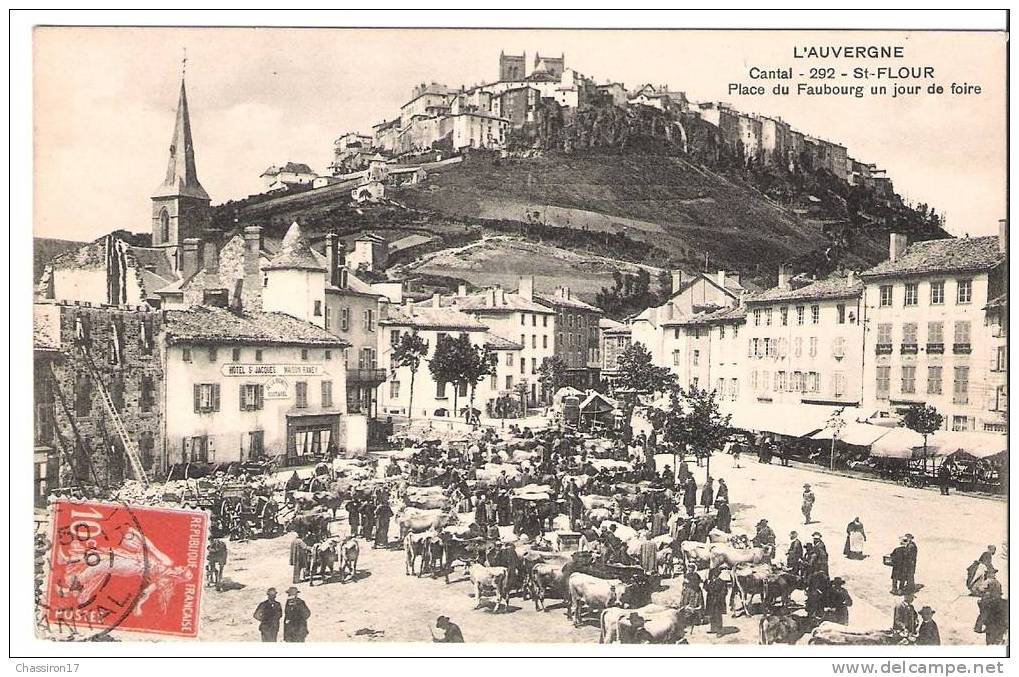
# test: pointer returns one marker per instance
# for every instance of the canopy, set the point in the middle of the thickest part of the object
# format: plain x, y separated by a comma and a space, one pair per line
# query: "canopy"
793, 420
596, 403
898, 443
859, 434
978, 445
563, 393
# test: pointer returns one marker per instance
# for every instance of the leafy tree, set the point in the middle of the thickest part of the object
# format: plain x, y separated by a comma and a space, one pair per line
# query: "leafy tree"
692, 419
639, 375
450, 361
552, 374
923, 419
408, 352
480, 363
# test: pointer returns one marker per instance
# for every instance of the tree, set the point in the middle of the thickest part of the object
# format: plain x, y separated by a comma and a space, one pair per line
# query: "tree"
923, 419
552, 374
480, 363
408, 352
639, 375
692, 419
448, 363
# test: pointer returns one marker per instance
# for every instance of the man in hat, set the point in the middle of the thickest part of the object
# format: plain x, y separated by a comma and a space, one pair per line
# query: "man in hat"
383, 513
927, 634
897, 560
714, 600
764, 536
993, 617
691, 599
708, 493
817, 562
978, 570
268, 614
839, 601
808, 503
910, 563
633, 631
904, 618
794, 555
723, 521
300, 558
295, 617
449, 632
945, 480
690, 496
723, 490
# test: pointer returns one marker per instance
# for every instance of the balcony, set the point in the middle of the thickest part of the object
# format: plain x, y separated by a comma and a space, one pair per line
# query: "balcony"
935, 348
370, 376
883, 348
962, 348
908, 349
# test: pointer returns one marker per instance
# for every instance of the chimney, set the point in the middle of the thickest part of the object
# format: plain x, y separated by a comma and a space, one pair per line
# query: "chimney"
677, 280
502, 296
332, 259
526, 287
1002, 235
252, 249
189, 257
721, 278
210, 258
783, 277
461, 291
436, 300
896, 245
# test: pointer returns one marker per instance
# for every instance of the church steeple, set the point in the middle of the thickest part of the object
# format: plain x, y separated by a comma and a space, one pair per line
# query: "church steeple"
180, 205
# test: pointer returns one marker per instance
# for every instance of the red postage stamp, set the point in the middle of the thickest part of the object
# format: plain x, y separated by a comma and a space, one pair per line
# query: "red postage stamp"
121, 567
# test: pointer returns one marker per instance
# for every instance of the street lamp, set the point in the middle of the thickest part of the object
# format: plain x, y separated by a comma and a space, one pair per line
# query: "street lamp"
836, 423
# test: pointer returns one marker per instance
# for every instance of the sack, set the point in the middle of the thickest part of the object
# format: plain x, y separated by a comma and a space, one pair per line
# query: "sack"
887, 559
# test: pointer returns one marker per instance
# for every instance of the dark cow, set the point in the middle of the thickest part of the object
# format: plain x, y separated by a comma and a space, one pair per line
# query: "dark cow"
216, 562
765, 580
784, 628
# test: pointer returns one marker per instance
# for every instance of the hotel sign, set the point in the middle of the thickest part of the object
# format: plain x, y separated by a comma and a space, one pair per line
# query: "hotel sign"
271, 370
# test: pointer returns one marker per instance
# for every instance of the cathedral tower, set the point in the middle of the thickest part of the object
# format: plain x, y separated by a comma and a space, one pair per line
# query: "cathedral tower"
180, 206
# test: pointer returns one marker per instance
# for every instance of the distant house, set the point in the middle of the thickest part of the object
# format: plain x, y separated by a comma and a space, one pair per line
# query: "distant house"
286, 175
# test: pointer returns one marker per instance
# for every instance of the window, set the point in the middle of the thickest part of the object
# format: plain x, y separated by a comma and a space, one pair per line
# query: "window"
720, 388
185, 354
799, 314
534, 320
345, 319
329, 317
440, 390
251, 396
146, 336
933, 380
534, 365
534, 341
366, 359
796, 382
369, 320
304, 354
815, 314
767, 317
675, 333
908, 379
198, 449
329, 354
767, 347
935, 337
838, 347
885, 292
909, 337
394, 390
346, 358
301, 392
116, 391
696, 358
148, 394
461, 390
798, 346
509, 359
236, 355
883, 382
327, 393
1001, 359
964, 291
765, 377
675, 358
523, 365
961, 386
734, 389
962, 343
721, 331
523, 341
841, 309
318, 308
757, 317
912, 294
206, 397
783, 313
544, 320
838, 383
781, 382
754, 381
960, 423
394, 337
884, 337
1000, 398
509, 381
937, 292
213, 354
813, 346
256, 444
814, 382
523, 319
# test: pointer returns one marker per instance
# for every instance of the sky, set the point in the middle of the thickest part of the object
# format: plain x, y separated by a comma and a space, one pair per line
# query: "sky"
105, 99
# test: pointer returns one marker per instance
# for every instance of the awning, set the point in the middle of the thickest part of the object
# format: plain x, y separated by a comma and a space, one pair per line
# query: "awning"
898, 443
978, 445
792, 420
859, 434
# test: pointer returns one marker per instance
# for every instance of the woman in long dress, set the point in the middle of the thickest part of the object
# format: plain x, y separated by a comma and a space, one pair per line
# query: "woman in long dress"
855, 538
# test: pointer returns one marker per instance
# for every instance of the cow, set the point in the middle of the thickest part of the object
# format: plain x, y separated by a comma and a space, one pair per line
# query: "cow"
216, 562
737, 539
623, 532
724, 555
427, 498
417, 520
545, 580
417, 546
610, 617
696, 553
592, 501
636, 519
324, 557
833, 634
596, 516
465, 550
664, 627
593, 593
765, 580
494, 579
349, 552
783, 628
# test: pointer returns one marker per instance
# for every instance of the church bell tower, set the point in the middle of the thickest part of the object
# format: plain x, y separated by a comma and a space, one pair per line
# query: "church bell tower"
180, 206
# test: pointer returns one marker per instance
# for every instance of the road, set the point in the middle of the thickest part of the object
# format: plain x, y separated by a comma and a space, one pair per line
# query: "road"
386, 605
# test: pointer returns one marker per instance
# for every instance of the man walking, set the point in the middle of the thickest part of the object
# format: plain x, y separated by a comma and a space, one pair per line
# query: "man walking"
708, 493
383, 513
295, 617
808, 503
690, 496
910, 563
268, 614
300, 558
945, 479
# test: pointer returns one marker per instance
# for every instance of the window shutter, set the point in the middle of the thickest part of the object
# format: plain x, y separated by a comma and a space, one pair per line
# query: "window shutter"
198, 398
259, 397
210, 443
215, 397
185, 450
240, 398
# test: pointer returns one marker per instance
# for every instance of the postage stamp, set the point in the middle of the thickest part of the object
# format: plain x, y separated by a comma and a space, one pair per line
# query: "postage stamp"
122, 567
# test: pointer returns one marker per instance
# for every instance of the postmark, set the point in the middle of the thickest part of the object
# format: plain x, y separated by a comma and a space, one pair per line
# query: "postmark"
125, 568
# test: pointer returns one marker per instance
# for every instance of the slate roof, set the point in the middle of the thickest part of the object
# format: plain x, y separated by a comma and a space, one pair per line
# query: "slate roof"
558, 301
499, 343
514, 303
205, 324
295, 253
833, 287
427, 317
950, 255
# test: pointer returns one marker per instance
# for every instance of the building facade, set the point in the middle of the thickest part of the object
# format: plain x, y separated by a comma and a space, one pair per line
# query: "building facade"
577, 336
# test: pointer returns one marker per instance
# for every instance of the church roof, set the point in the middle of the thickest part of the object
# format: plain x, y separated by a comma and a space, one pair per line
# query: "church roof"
181, 175
295, 253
